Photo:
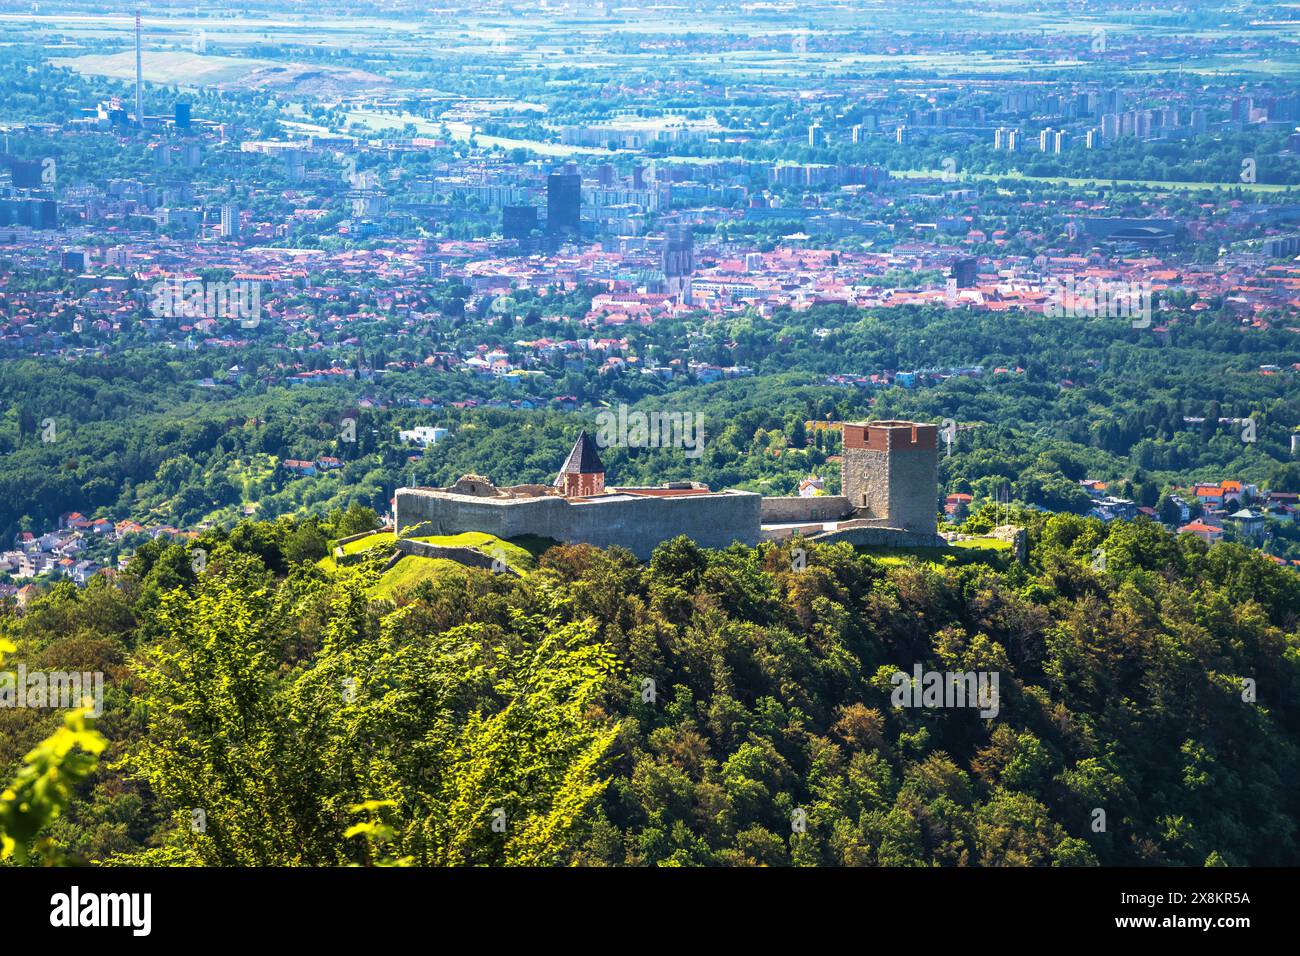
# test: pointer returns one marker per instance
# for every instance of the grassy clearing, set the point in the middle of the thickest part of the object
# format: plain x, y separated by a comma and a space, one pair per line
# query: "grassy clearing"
993, 544
983, 551
172, 67
520, 553
407, 573
377, 540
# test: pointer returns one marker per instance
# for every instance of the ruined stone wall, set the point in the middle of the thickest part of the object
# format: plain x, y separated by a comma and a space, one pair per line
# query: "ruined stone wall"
873, 537
638, 524
470, 557
426, 513
354, 537
794, 509
1018, 538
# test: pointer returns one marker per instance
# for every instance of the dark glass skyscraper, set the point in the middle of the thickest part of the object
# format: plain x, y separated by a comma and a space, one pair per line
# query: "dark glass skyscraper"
563, 204
966, 271
518, 222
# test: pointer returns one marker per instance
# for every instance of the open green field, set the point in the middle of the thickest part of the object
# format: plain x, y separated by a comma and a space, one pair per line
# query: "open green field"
577, 39
1085, 182
1243, 64
760, 63
247, 476
382, 122
173, 67
181, 30
183, 68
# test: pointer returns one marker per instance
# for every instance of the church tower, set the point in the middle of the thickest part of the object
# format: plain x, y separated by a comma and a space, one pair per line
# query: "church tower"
583, 473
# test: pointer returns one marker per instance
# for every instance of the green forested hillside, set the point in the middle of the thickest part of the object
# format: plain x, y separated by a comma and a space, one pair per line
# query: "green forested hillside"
135, 437
712, 708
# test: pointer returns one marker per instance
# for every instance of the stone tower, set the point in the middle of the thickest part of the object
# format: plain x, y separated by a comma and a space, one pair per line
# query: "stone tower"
583, 473
891, 473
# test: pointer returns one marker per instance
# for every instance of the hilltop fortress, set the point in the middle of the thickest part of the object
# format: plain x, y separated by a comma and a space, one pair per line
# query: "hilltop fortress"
890, 497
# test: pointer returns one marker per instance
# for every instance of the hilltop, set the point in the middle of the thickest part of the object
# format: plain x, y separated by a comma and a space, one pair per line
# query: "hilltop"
731, 707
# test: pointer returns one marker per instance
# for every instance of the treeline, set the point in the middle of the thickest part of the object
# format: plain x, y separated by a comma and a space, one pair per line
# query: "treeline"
133, 436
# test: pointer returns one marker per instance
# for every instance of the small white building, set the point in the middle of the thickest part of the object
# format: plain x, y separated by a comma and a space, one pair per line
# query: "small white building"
810, 487
423, 435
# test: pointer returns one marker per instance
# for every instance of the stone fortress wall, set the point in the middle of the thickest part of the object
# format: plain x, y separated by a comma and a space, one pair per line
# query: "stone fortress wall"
614, 520
868, 536
797, 510
890, 488
715, 520
435, 511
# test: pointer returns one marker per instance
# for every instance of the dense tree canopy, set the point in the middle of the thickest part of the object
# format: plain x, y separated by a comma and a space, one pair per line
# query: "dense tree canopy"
725, 707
